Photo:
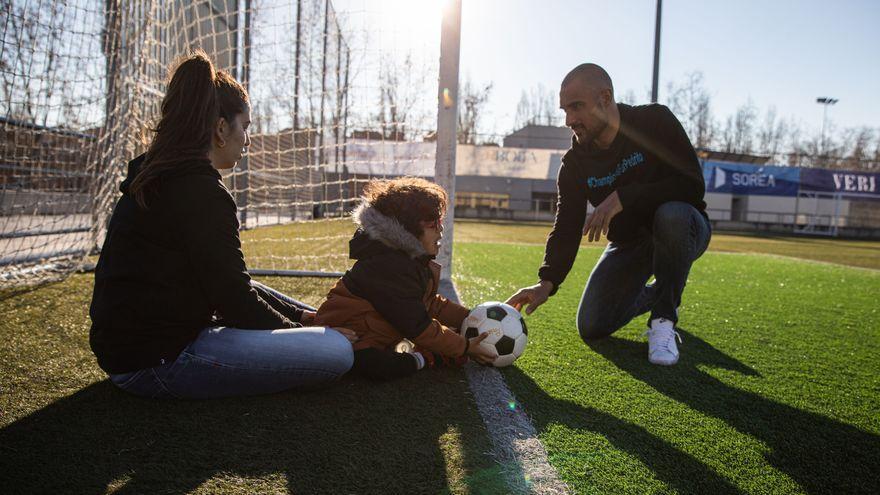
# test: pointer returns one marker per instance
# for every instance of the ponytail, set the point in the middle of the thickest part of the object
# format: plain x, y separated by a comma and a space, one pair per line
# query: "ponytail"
197, 96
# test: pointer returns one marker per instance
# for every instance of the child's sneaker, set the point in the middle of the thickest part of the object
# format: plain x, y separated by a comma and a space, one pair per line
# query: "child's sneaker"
437, 360
404, 345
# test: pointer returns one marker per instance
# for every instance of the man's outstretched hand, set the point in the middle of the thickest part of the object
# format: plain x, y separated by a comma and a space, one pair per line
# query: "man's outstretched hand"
534, 296
600, 219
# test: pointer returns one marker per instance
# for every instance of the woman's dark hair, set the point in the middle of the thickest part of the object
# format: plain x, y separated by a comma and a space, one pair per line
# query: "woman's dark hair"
197, 96
409, 200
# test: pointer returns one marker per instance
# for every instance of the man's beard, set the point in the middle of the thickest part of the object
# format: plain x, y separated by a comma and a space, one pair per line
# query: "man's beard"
588, 135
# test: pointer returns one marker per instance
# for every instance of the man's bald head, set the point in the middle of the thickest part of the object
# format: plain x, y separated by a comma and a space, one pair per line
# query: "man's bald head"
591, 76
587, 98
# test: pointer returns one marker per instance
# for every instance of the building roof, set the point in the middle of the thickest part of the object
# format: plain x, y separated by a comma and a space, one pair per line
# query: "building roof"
724, 156
539, 136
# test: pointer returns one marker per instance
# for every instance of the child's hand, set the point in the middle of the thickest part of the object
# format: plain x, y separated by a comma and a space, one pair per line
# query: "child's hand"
479, 353
307, 318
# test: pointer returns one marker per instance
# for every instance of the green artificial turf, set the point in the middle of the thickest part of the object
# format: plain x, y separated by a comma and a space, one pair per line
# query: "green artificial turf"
776, 390
65, 429
862, 253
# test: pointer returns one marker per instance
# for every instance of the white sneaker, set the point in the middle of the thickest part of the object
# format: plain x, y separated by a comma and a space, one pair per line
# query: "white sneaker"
661, 342
404, 345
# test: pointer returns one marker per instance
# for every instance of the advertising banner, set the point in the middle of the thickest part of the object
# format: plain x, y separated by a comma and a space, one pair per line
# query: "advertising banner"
840, 181
739, 178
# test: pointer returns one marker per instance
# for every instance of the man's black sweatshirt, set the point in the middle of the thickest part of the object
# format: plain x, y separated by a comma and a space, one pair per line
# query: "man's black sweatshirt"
166, 272
650, 162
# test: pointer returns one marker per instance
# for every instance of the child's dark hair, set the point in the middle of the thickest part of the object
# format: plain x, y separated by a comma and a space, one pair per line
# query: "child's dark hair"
197, 96
409, 200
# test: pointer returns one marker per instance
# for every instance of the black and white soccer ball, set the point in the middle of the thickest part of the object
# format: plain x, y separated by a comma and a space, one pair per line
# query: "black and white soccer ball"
507, 330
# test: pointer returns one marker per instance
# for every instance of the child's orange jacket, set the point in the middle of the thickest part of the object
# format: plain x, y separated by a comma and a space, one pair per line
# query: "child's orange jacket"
391, 291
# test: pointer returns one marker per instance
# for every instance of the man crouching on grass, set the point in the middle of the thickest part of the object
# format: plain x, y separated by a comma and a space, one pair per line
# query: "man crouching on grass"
637, 167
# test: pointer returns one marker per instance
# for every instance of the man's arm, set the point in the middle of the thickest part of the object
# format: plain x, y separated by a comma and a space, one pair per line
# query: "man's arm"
565, 238
562, 243
685, 180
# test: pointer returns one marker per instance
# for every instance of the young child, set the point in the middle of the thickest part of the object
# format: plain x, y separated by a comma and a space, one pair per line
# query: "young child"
390, 293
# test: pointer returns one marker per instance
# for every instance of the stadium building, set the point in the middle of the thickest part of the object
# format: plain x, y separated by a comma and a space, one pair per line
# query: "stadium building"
743, 192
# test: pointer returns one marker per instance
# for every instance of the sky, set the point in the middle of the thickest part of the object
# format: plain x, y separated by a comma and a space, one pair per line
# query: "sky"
782, 53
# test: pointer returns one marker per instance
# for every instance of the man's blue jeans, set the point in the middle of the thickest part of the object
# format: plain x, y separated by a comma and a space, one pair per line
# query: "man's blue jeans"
225, 362
616, 291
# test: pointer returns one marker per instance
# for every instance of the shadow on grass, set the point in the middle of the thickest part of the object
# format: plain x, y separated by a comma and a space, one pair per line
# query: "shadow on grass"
13, 292
357, 437
669, 464
822, 455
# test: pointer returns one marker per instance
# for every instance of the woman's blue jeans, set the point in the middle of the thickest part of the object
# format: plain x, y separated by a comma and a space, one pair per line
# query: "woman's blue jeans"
227, 362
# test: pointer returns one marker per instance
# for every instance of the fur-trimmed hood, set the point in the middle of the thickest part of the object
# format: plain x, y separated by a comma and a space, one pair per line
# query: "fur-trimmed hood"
385, 229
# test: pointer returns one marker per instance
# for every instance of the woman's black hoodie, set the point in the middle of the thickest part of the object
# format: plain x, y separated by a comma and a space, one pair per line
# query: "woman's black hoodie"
168, 271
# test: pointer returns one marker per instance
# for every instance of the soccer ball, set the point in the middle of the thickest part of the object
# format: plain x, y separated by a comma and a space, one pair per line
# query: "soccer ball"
506, 328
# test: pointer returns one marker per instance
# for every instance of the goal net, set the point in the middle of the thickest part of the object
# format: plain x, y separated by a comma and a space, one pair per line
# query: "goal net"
342, 92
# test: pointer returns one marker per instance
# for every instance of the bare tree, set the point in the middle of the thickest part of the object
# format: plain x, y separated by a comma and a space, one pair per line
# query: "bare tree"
691, 103
629, 97
538, 106
8, 58
739, 130
23, 38
805, 149
875, 159
855, 149
875, 162
472, 100
401, 85
772, 134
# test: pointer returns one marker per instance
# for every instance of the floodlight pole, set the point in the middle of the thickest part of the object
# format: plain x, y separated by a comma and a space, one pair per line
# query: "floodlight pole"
825, 102
655, 81
447, 120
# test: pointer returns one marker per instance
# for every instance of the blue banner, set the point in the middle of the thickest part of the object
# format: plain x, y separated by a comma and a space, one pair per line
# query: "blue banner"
740, 178
844, 182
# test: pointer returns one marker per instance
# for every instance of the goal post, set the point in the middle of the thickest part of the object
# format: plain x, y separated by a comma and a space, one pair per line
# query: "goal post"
447, 121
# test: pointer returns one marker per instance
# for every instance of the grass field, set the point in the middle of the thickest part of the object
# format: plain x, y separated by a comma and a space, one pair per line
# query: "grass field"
859, 253
777, 391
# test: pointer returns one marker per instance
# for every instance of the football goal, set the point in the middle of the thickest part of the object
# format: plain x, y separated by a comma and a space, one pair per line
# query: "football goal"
342, 92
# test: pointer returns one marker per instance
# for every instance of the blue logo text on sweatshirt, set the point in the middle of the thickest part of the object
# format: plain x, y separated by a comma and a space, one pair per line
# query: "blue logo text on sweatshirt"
624, 165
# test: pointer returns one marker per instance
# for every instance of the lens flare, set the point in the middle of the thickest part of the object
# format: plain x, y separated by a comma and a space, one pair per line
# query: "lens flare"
447, 98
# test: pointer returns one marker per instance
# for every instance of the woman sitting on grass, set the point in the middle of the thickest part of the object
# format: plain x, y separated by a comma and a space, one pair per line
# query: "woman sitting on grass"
174, 311
390, 293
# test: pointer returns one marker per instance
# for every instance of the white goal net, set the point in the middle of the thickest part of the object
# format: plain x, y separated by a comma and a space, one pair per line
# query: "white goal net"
340, 90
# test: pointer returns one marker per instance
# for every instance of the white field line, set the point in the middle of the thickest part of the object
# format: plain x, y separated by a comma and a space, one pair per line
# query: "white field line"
515, 442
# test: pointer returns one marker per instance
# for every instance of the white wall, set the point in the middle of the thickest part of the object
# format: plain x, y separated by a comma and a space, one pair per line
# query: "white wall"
824, 208
770, 209
718, 205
